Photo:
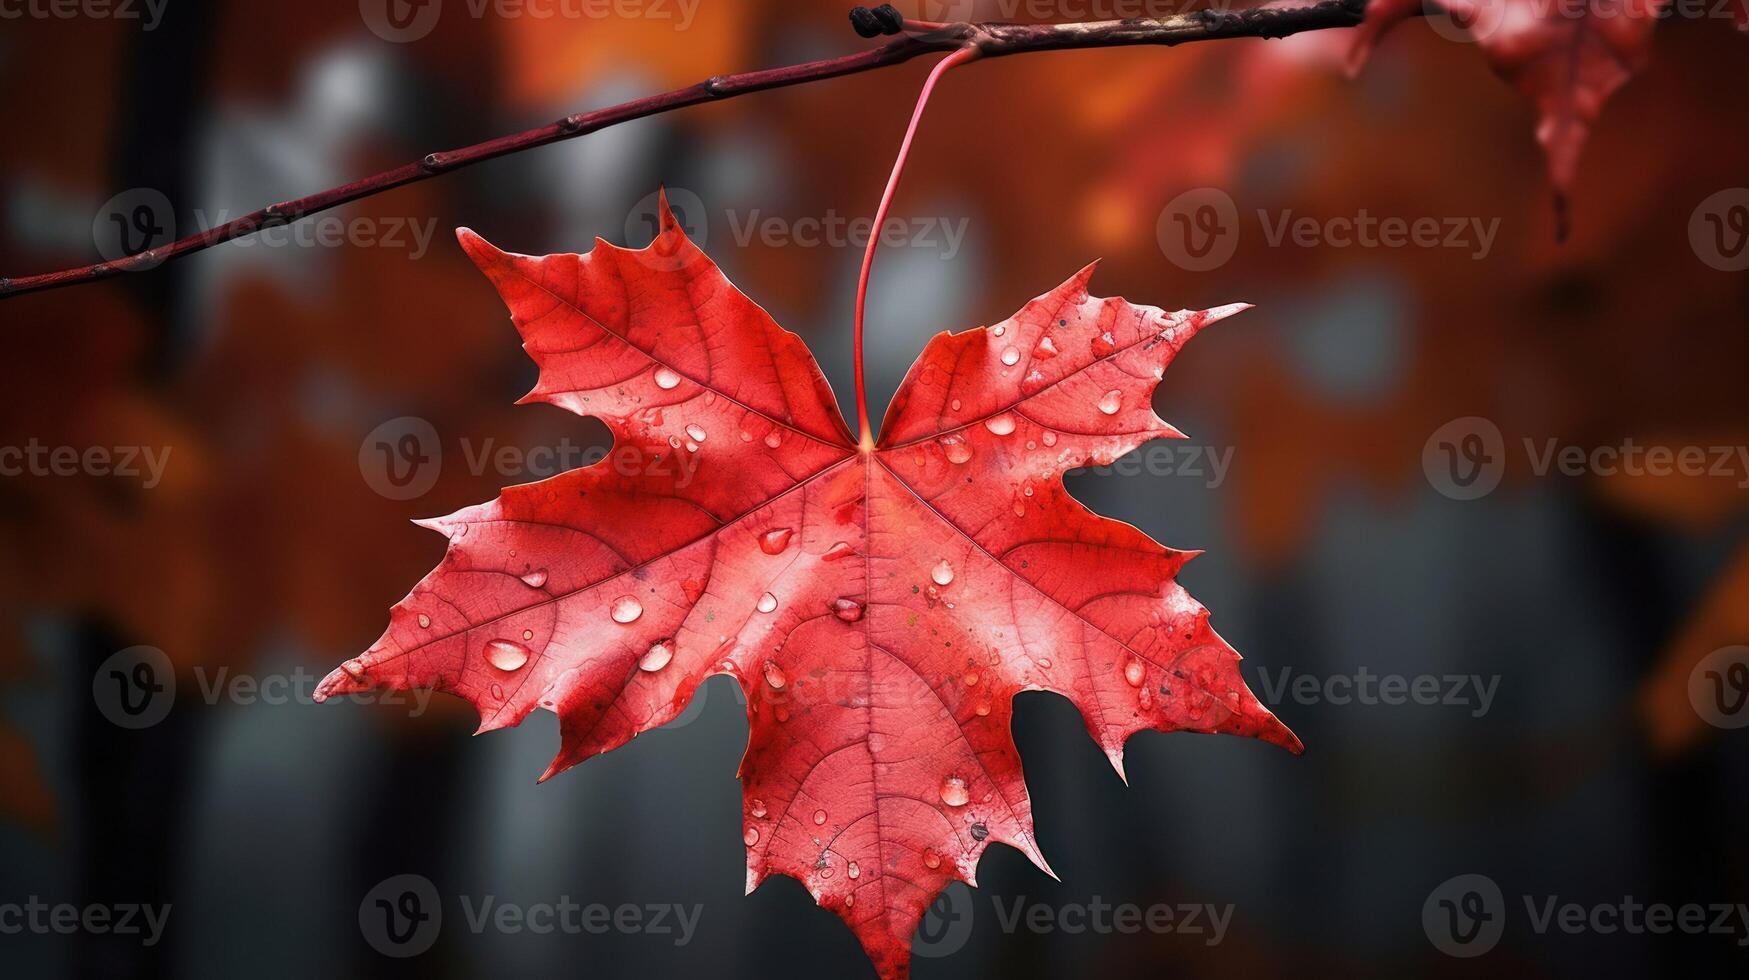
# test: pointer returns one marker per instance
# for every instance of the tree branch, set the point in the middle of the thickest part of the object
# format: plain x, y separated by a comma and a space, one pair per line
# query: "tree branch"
917, 38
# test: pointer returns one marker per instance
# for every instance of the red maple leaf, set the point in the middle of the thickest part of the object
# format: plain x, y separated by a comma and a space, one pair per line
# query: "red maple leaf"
1566, 56
880, 606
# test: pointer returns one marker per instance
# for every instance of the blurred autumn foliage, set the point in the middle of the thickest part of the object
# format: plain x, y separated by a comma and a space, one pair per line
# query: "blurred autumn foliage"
263, 530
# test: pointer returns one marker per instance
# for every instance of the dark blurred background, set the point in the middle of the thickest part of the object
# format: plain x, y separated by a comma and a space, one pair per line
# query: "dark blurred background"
162, 625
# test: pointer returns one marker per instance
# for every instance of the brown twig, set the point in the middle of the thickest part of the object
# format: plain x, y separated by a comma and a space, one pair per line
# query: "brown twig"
992, 41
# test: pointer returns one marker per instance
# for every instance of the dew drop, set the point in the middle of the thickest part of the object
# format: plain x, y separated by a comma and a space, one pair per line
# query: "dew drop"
528, 634
983, 708
1010, 356
1019, 507
942, 574
1133, 672
774, 541
666, 379
774, 675
971, 678
956, 449
535, 579
931, 859
849, 610
746, 436
767, 603
1045, 349
1044, 662
497, 692
424, 621
773, 440
854, 870
841, 549
1112, 401
626, 609
695, 432
656, 657
506, 655
953, 791
819, 817
825, 870
850, 901
1000, 424
954, 405
750, 836
999, 329
1050, 438
673, 442
758, 809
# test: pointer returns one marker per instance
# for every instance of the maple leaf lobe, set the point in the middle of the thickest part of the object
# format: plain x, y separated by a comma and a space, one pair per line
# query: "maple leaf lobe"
880, 610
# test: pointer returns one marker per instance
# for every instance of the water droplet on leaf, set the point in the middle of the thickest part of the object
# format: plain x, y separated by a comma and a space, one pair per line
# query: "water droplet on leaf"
774, 541
506, 655
953, 791
626, 609
656, 657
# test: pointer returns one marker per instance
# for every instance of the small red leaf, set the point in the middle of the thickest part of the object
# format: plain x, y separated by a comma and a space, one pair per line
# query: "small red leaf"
880, 610
1567, 58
